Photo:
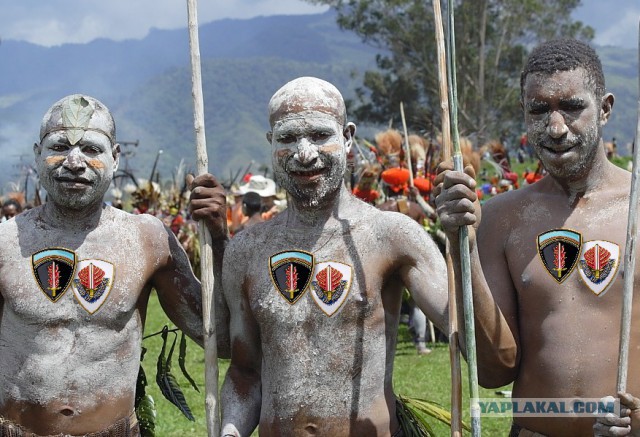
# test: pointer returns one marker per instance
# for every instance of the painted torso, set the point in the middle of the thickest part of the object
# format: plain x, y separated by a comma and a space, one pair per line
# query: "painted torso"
568, 334
327, 374
60, 365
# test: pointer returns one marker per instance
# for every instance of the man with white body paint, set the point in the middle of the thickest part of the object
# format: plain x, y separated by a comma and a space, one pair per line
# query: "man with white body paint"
314, 295
544, 264
75, 278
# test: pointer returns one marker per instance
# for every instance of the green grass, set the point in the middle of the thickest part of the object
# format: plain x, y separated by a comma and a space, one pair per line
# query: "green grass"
426, 377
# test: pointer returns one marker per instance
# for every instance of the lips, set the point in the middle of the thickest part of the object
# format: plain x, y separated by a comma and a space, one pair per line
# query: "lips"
308, 173
558, 148
73, 182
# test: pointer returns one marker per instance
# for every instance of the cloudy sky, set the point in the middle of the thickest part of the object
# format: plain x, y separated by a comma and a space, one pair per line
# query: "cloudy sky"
77, 21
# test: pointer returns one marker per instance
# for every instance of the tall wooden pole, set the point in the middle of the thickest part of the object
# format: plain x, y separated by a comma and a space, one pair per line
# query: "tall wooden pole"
407, 147
629, 257
454, 349
467, 293
206, 253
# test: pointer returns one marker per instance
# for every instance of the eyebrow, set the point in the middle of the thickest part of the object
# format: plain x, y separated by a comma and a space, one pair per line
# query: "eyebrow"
573, 101
535, 104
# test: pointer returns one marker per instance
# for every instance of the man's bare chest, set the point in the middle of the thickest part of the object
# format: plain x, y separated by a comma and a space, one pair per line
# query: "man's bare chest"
52, 280
336, 279
578, 255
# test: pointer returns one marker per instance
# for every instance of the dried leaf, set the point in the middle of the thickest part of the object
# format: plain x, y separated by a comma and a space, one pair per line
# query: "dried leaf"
171, 391
181, 361
167, 382
421, 409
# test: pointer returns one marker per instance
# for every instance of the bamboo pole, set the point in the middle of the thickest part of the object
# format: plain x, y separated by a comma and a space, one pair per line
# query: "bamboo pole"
629, 258
407, 147
454, 349
419, 200
206, 253
465, 259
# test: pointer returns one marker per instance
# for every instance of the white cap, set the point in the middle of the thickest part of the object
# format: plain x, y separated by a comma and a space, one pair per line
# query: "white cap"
265, 187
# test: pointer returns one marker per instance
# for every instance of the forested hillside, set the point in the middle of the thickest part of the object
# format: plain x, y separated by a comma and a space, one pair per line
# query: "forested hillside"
147, 85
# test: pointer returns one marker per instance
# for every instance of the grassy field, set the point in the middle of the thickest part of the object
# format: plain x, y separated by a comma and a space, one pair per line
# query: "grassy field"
426, 377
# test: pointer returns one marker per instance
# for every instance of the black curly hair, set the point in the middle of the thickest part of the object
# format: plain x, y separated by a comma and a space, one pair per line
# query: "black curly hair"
564, 55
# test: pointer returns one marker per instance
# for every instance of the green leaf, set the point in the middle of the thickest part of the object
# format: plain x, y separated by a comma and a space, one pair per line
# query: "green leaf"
146, 413
76, 115
141, 385
181, 361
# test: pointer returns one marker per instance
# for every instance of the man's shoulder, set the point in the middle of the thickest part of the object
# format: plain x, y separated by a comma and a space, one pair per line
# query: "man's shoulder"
142, 220
512, 199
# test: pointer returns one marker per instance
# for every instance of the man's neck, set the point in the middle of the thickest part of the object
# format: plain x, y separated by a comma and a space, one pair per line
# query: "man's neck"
594, 180
305, 216
61, 217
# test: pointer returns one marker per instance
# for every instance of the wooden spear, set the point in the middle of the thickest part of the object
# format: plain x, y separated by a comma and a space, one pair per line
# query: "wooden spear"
206, 253
428, 210
467, 293
629, 257
407, 147
454, 349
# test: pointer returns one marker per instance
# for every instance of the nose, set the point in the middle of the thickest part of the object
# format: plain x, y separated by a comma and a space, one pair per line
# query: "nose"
307, 152
556, 126
74, 160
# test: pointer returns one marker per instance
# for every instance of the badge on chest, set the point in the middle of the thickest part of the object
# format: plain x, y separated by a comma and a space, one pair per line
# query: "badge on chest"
293, 272
56, 269
53, 270
561, 250
598, 265
92, 283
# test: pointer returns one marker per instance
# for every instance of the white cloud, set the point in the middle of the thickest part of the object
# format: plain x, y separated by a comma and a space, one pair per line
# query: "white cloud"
623, 32
80, 21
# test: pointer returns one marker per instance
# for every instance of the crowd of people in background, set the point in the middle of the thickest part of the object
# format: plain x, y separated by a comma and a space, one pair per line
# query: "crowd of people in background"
380, 175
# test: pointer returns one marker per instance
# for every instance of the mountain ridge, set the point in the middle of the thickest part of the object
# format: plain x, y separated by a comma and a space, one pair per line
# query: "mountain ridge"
147, 85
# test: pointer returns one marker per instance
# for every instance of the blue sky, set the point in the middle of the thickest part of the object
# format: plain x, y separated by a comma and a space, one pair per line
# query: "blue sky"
78, 21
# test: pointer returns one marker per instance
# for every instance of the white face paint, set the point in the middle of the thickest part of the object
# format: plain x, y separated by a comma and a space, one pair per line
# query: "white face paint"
564, 122
309, 156
76, 176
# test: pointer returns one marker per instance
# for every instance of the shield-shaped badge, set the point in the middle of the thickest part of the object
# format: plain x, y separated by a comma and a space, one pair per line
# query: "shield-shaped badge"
330, 285
291, 273
92, 283
53, 269
598, 265
559, 250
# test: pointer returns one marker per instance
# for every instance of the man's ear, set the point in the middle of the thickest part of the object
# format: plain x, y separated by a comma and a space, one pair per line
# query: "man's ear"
116, 156
37, 150
269, 136
349, 133
605, 108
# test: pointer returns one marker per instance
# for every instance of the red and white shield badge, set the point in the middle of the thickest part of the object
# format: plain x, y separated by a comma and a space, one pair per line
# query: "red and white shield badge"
598, 265
92, 283
330, 285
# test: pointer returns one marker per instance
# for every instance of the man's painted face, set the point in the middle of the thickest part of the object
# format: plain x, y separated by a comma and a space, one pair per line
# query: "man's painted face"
309, 155
9, 211
76, 176
564, 121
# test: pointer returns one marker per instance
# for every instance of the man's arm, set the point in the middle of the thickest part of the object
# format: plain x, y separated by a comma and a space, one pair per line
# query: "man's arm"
178, 289
208, 203
241, 391
494, 298
1, 307
423, 270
